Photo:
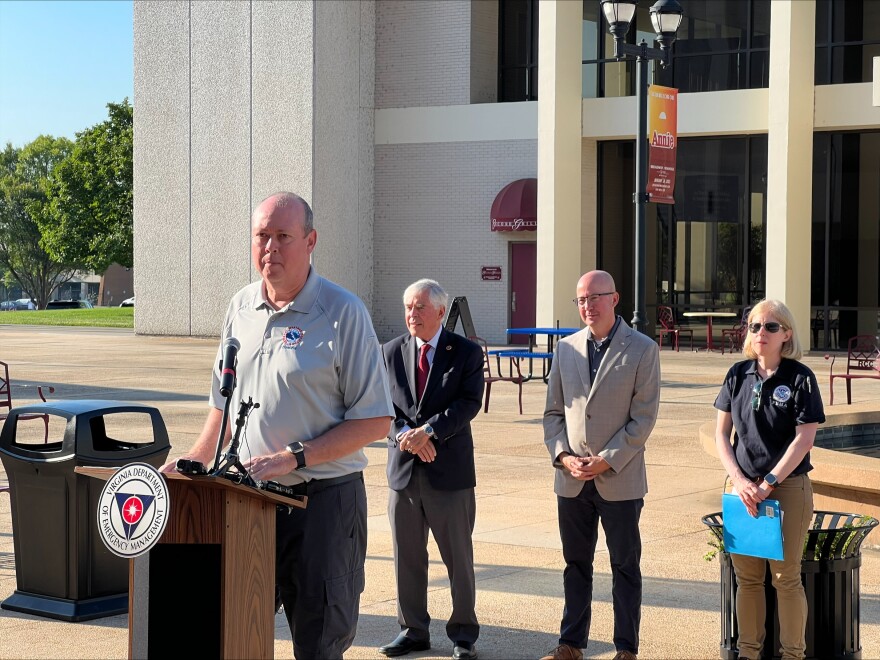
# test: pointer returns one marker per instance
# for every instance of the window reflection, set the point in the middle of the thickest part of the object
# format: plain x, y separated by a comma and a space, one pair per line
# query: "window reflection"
707, 250
845, 286
721, 45
847, 40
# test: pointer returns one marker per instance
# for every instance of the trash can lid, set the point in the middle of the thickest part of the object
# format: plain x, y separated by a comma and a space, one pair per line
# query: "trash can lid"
72, 407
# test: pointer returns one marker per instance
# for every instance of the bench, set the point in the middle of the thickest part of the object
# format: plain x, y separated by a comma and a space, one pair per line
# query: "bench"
517, 355
862, 361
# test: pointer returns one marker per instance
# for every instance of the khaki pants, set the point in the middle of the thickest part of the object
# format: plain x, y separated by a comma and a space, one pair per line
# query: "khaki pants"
795, 496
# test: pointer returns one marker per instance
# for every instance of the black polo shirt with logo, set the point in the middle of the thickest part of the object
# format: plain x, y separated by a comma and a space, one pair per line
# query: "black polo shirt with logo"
787, 399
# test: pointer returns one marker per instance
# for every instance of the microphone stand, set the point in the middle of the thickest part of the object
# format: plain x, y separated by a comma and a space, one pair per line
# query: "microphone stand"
231, 459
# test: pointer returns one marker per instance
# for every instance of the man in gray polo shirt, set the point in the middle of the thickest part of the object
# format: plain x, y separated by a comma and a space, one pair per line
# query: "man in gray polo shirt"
310, 357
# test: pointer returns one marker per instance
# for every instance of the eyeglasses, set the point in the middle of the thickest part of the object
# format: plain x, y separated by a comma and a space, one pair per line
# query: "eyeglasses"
756, 395
772, 327
591, 299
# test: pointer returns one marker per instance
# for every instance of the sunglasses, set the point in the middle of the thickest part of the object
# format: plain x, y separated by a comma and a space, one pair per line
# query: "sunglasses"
756, 395
772, 327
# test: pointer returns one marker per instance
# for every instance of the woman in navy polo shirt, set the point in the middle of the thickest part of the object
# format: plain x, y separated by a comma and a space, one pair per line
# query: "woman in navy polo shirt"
773, 402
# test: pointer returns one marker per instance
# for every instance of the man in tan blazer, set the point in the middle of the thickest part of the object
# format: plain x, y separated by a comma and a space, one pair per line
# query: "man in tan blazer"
602, 402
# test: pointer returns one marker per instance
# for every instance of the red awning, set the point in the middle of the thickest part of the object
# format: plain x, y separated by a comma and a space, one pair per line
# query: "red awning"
516, 207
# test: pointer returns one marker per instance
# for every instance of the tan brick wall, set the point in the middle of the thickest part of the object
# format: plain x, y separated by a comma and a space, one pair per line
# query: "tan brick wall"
433, 203
422, 53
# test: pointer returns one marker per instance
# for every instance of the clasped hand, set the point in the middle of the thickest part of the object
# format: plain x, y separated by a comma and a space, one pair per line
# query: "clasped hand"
417, 442
585, 468
752, 494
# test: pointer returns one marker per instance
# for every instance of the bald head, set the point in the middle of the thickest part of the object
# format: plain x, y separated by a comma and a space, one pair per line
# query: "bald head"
597, 297
281, 200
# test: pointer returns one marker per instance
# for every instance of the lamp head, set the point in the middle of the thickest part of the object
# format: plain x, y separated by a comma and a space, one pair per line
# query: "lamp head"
619, 14
666, 16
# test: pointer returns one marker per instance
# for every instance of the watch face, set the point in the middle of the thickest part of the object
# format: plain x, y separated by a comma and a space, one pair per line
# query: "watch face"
770, 479
429, 429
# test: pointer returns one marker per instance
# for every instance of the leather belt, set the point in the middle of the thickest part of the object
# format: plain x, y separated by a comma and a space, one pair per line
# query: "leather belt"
315, 486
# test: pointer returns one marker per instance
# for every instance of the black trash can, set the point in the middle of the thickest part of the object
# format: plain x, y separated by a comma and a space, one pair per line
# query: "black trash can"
830, 574
63, 569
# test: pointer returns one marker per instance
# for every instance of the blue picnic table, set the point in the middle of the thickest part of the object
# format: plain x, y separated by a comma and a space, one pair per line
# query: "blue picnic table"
532, 353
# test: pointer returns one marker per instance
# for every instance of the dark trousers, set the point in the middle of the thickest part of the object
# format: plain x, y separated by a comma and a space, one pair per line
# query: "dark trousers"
450, 515
579, 528
319, 569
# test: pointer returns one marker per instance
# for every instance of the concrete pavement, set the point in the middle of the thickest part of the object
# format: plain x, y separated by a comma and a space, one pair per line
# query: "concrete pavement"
516, 543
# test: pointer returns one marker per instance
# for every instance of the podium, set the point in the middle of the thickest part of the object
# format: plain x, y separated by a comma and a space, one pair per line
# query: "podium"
207, 588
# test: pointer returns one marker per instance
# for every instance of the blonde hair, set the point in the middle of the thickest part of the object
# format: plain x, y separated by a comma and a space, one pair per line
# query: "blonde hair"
777, 309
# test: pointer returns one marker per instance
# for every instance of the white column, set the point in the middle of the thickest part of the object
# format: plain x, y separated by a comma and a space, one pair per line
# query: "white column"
877, 81
559, 161
790, 157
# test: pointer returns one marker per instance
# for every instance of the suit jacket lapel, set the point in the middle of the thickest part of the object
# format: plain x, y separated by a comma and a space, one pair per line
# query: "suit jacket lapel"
583, 366
408, 348
618, 345
438, 365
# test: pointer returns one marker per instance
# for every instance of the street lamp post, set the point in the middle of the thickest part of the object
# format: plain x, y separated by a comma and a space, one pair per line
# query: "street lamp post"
666, 16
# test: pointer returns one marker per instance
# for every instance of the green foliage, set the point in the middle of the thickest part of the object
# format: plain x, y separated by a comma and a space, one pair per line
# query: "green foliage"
91, 195
24, 206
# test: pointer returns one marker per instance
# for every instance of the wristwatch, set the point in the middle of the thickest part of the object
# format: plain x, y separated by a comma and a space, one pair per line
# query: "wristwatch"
427, 428
771, 480
298, 450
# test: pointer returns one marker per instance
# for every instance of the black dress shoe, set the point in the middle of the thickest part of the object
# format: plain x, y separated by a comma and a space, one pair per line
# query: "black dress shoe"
464, 651
403, 645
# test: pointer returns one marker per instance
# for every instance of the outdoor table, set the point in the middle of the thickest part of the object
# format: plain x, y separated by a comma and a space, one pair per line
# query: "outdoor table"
532, 353
710, 344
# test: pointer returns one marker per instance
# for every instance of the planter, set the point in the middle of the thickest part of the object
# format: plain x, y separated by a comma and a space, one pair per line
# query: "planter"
830, 574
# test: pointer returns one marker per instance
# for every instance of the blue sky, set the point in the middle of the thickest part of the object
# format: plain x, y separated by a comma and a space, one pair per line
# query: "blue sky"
61, 63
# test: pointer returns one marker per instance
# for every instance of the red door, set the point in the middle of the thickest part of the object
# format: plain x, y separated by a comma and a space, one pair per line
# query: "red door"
523, 288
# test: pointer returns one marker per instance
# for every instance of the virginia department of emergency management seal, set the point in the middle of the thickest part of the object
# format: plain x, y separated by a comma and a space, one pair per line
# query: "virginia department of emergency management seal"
133, 510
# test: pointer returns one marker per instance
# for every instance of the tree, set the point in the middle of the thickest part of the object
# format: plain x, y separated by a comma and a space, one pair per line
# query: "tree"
92, 196
24, 205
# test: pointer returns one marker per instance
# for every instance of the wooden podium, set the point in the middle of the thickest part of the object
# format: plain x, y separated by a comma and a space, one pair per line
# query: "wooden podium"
207, 588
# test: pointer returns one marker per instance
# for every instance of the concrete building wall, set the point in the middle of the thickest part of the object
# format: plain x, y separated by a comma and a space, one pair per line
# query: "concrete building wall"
423, 54
433, 203
236, 100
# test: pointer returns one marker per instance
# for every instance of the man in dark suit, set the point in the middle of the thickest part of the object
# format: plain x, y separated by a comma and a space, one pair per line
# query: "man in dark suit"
436, 383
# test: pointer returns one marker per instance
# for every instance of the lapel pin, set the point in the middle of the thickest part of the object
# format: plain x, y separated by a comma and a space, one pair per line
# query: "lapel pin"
448, 348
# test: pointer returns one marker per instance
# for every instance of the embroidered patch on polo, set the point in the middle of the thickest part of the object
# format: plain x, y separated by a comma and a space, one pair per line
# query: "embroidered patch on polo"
782, 393
293, 337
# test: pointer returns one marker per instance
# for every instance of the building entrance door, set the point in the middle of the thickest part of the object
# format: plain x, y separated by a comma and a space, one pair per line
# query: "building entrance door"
523, 288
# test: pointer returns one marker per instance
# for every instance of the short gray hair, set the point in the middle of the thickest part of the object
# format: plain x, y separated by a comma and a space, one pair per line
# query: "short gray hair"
439, 298
285, 198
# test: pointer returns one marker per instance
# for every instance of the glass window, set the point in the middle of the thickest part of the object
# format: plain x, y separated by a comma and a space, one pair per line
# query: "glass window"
518, 50
845, 285
847, 39
707, 250
720, 45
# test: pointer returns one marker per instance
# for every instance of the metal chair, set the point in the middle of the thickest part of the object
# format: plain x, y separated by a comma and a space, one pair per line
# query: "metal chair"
488, 378
669, 327
862, 357
736, 334
6, 399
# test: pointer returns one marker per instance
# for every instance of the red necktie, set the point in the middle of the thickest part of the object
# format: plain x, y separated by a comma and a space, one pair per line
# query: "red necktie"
422, 371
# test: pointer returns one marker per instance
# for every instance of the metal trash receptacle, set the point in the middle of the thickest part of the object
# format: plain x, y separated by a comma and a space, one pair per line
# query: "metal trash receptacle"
63, 569
830, 574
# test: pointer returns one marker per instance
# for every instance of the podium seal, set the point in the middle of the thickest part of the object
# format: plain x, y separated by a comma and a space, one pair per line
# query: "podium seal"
133, 510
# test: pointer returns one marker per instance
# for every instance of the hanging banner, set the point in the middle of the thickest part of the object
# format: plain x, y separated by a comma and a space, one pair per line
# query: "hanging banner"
663, 142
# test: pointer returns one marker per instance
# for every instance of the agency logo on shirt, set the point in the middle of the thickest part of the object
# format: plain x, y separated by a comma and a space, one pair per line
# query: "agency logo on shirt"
293, 337
782, 394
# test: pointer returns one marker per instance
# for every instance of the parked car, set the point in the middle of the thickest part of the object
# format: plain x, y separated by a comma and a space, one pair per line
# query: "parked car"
25, 303
7, 306
69, 304
128, 302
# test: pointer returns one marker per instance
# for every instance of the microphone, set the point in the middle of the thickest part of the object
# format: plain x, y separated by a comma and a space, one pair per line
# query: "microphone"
227, 375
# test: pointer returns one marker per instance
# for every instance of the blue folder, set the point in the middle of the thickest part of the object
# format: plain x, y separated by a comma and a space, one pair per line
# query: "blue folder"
745, 535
